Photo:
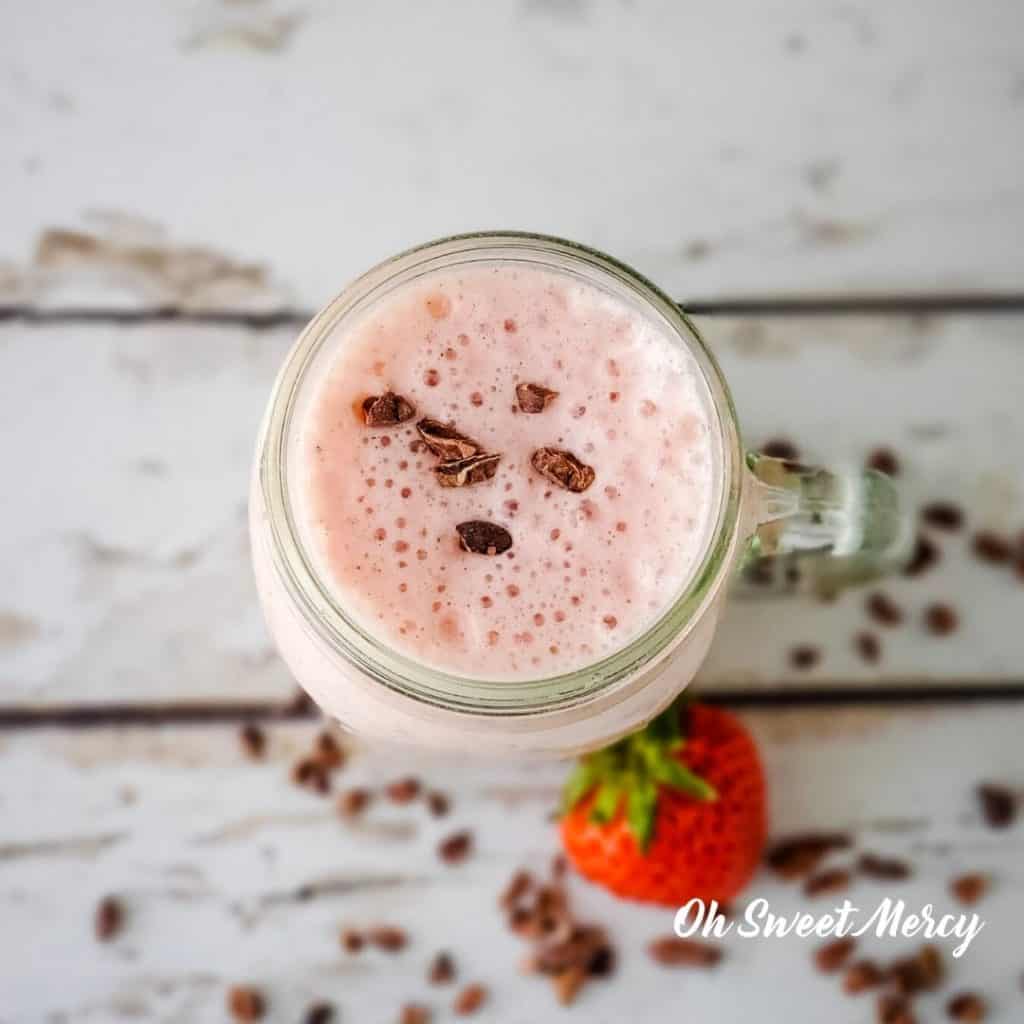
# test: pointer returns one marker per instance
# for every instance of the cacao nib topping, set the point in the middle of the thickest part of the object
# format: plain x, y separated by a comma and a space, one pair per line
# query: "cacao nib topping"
998, 804
861, 976
108, 919
883, 868
940, 619
798, 856
461, 472
319, 1013
967, 1006
833, 955
894, 1009
943, 515
482, 538
563, 468
245, 1004
387, 410
456, 848
923, 557
827, 882
446, 442
921, 972
442, 969
674, 952
534, 397
885, 461
780, 448
469, 1000
992, 547
968, 889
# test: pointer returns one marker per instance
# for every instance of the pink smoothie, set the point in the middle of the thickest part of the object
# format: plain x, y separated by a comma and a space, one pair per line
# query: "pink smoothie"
587, 571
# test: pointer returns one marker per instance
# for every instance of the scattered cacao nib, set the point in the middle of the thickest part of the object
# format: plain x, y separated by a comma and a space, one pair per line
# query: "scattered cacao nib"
351, 940
885, 461
883, 609
868, 646
311, 774
923, 557
519, 886
883, 868
940, 619
968, 889
404, 791
446, 442
469, 1000
388, 938
804, 656
329, 752
1018, 565
861, 976
797, 856
253, 740
780, 448
465, 472
943, 515
534, 398
108, 919
833, 955
300, 704
319, 1013
482, 538
567, 984
438, 803
456, 848
827, 882
353, 802
245, 1004
992, 547
967, 1006
559, 866
894, 1009
998, 805
387, 410
442, 970
415, 1013
563, 468
921, 972
671, 951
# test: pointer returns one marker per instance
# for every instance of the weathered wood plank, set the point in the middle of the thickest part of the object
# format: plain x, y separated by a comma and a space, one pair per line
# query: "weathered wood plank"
125, 551
724, 149
208, 852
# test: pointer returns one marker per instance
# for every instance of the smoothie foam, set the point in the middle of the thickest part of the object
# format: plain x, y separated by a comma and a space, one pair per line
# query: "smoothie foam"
587, 572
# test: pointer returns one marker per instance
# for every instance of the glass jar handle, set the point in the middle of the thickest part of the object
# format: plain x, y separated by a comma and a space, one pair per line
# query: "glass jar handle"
821, 530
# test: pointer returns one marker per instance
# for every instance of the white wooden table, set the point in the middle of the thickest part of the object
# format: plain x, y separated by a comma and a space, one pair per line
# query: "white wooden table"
836, 189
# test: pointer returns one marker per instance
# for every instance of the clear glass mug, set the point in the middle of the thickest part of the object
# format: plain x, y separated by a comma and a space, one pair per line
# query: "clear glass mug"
778, 526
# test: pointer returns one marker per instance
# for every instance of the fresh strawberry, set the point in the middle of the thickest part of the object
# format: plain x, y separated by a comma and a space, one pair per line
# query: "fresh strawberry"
674, 812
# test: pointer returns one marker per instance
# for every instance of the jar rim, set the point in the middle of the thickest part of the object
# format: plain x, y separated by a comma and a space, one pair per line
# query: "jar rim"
319, 606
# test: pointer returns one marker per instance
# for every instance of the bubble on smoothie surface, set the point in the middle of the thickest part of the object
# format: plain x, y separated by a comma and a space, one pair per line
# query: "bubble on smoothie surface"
586, 572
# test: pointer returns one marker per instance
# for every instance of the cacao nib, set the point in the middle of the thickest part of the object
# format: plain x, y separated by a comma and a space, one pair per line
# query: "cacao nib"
387, 938
245, 1004
804, 656
563, 468
319, 1013
481, 538
970, 888
885, 461
567, 984
469, 1000
780, 448
921, 972
967, 1006
883, 868
446, 442
998, 805
456, 848
415, 1013
883, 609
869, 647
923, 557
351, 940
108, 919
943, 515
991, 547
861, 976
462, 472
442, 970
353, 802
827, 882
799, 855
833, 955
894, 1009
438, 803
253, 740
940, 619
671, 951
387, 410
403, 791
534, 398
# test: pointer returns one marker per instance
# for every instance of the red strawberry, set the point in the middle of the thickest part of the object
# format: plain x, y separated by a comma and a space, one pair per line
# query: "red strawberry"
674, 812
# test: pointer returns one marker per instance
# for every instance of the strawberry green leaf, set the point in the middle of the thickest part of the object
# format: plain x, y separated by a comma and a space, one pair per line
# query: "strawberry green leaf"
669, 772
641, 811
609, 796
585, 776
